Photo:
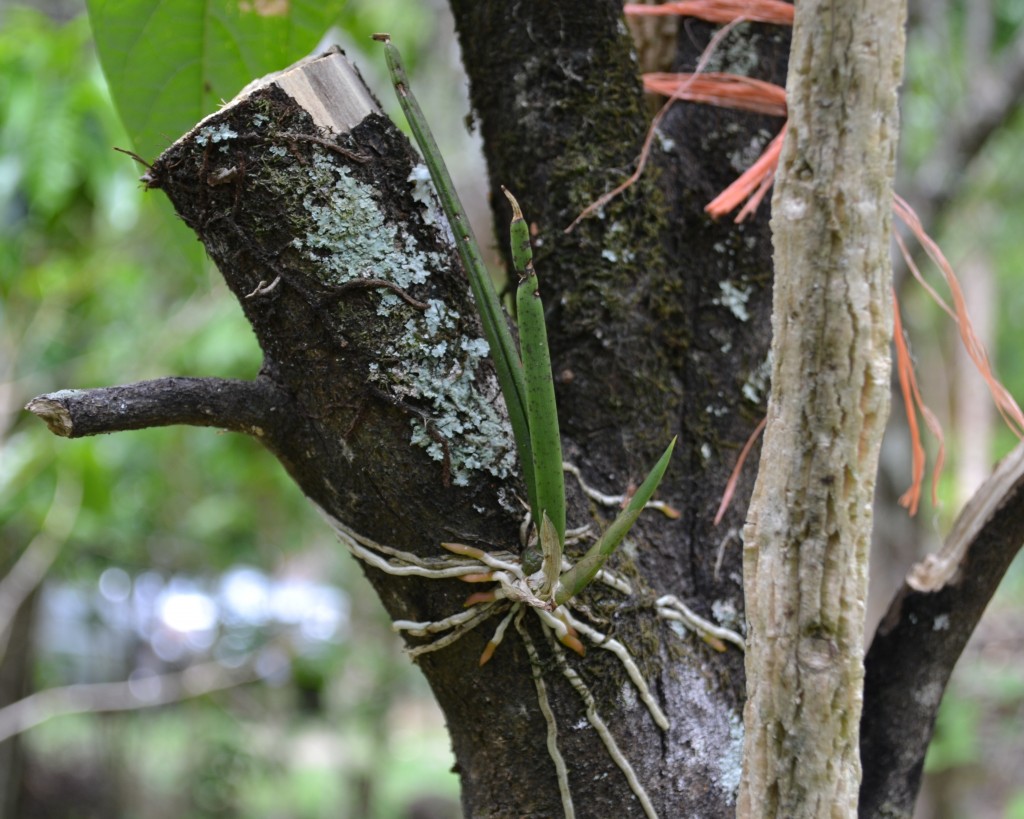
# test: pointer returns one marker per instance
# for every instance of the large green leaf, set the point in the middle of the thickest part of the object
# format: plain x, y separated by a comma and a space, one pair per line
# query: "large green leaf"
171, 62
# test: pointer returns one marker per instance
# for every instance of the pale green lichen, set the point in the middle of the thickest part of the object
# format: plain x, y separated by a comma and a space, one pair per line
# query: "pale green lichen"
215, 134
423, 192
474, 433
730, 765
746, 156
725, 614
739, 53
430, 363
349, 237
735, 299
758, 382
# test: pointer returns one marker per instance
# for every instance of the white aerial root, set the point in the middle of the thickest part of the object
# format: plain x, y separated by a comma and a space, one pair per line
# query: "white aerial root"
482, 613
433, 626
671, 607
369, 551
620, 651
616, 501
594, 718
561, 771
514, 593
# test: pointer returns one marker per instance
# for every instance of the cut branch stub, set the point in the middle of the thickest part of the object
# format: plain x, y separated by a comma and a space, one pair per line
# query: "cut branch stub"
323, 224
923, 634
250, 407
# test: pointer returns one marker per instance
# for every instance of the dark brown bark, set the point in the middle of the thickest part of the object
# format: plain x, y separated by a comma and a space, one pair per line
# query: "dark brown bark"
643, 314
283, 206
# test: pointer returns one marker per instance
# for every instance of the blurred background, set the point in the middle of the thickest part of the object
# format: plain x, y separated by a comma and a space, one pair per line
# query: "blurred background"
236, 662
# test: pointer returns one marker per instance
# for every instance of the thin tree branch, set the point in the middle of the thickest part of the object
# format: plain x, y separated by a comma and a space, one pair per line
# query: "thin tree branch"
924, 633
809, 522
127, 695
35, 561
238, 406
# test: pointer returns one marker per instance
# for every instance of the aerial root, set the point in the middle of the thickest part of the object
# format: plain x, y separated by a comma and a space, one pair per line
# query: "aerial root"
409, 565
620, 651
594, 718
561, 771
479, 614
510, 598
429, 627
494, 562
671, 607
617, 501
563, 631
499, 634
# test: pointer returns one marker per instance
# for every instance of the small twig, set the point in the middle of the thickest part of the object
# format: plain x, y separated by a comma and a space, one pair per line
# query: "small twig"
90, 698
367, 284
134, 156
561, 771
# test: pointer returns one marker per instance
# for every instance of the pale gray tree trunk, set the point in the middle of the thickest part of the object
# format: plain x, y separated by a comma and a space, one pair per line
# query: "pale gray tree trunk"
809, 524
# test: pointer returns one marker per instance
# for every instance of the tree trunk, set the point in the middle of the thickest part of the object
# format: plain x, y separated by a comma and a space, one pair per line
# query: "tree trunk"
809, 527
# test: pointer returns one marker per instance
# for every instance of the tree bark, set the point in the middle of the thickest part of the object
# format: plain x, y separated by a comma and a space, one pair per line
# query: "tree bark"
809, 526
386, 413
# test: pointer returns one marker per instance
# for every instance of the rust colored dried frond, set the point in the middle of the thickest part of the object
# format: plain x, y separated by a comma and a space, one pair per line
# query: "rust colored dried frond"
912, 402
751, 186
720, 11
723, 90
1005, 403
645, 152
734, 476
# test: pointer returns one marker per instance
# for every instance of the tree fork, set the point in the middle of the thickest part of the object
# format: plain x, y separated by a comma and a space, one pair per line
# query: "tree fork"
388, 416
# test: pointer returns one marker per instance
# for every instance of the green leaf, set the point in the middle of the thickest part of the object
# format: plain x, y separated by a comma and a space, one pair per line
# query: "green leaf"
579, 576
171, 62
